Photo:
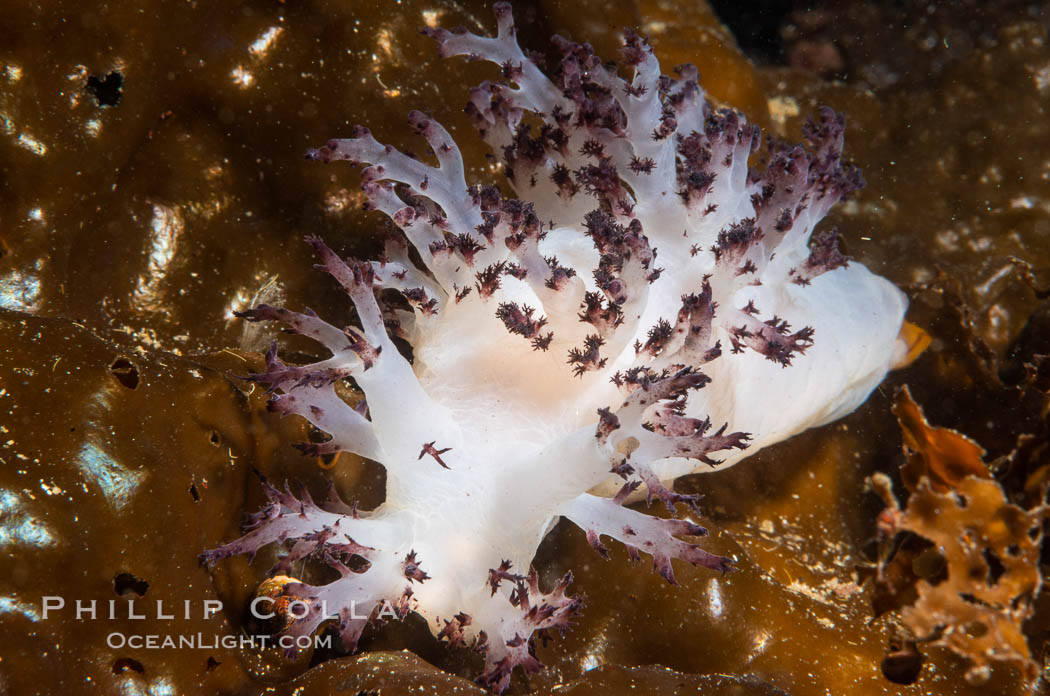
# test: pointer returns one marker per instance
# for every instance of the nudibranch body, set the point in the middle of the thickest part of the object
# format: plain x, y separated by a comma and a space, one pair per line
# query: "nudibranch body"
651, 306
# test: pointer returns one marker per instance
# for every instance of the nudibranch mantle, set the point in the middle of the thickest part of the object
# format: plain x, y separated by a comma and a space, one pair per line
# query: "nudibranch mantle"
651, 306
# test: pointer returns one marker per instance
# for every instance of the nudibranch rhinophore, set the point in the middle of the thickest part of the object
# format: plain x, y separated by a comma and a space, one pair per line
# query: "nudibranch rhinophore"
651, 306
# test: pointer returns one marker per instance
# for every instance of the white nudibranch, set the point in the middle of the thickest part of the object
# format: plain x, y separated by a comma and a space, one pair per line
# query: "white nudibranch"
651, 306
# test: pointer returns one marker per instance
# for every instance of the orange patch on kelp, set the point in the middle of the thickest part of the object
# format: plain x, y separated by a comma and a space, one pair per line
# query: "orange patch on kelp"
915, 341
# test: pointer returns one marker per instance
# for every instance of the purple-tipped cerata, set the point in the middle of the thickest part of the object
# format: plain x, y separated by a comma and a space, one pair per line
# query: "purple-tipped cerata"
652, 305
